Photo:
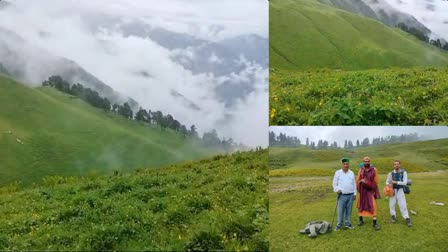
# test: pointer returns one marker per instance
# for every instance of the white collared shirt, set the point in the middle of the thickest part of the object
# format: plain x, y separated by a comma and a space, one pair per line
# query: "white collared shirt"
344, 181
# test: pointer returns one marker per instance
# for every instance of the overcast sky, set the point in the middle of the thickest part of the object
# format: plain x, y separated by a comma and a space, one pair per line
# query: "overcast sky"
195, 17
432, 13
341, 133
64, 28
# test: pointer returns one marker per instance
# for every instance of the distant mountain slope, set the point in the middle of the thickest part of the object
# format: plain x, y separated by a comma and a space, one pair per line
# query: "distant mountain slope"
44, 132
306, 34
415, 157
379, 10
32, 65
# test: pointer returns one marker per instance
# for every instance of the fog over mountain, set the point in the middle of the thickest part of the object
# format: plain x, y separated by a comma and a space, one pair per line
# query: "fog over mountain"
428, 16
432, 13
204, 63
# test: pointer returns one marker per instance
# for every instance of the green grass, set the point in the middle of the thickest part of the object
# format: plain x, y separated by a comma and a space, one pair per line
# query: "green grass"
300, 191
305, 34
297, 200
220, 203
65, 136
413, 96
415, 157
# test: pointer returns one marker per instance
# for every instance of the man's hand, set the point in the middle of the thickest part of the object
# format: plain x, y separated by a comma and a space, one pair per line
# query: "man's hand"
394, 182
354, 197
339, 191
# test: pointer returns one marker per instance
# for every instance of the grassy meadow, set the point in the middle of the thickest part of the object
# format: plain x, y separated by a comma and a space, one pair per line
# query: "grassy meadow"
332, 67
423, 156
300, 191
297, 200
305, 34
220, 203
411, 96
45, 132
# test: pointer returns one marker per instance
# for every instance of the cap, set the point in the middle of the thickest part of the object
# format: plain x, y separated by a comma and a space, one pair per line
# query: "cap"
345, 160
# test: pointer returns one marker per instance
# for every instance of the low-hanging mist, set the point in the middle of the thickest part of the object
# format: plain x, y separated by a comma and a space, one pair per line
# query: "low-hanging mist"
129, 46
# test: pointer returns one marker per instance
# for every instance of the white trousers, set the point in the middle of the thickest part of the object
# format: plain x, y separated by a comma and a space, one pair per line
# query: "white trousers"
399, 195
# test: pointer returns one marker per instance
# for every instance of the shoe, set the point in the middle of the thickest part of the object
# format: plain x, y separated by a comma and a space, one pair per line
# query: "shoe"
376, 226
408, 222
349, 226
338, 227
394, 220
360, 223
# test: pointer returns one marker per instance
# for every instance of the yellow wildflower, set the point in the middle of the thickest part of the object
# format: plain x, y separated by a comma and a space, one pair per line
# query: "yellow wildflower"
288, 109
273, 112
275, 98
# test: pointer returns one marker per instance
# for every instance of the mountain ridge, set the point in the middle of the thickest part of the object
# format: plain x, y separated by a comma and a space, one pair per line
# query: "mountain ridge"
23, 61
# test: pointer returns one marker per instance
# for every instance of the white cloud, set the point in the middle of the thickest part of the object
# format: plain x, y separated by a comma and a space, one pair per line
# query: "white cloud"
433, 14
199, 18
61, 27
214, 59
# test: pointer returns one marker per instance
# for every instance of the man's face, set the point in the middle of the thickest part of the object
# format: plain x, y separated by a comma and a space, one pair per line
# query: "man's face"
397, 165
366, 163
345, 165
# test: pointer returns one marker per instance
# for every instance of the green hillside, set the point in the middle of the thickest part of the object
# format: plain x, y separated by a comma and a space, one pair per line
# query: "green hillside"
305, 34
45, 132
220, 203
414, 156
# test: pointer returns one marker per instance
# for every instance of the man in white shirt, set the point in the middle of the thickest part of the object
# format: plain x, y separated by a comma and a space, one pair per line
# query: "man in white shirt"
344, 184
398, 178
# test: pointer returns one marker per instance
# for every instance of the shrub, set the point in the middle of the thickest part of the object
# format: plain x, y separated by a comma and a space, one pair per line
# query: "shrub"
205, 241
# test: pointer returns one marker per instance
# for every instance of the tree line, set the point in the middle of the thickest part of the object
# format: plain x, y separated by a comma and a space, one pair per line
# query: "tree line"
422, 36
283, 140
155, 118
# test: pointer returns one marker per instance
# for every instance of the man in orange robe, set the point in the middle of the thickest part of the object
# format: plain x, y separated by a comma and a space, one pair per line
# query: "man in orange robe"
367, 187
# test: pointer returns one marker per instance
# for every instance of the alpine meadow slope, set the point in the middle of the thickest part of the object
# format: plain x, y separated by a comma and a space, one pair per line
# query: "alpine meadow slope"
332, 67
422, 156
306, 34
45, 132
219, 203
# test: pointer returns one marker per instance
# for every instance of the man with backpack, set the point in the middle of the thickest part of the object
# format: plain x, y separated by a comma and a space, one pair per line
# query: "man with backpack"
399, 179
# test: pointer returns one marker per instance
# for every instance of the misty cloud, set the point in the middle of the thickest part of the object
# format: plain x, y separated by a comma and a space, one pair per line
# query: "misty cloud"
91, 34
431, 13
